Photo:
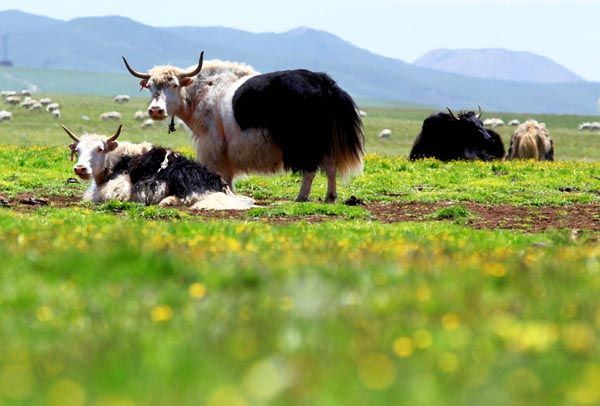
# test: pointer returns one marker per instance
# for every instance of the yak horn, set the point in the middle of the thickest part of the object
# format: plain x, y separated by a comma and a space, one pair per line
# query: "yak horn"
195, 71
114, 137
135, 73
73, 136
452, 113
480, 111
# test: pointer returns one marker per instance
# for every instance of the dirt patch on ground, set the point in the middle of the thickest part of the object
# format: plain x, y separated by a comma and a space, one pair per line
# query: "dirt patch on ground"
529, 218
499, 216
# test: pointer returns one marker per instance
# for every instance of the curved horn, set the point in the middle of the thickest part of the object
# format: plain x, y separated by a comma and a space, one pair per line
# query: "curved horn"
480, 111
114, 137
195, 71
73, 136
135, 73
451, 113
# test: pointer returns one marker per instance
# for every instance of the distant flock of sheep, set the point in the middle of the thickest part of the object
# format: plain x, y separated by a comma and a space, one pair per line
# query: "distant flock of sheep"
24, 99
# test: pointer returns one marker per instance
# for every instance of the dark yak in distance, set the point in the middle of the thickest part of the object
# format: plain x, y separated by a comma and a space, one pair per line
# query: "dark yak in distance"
449, 137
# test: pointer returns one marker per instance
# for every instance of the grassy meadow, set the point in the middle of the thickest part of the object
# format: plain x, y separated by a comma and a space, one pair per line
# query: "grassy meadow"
121, 304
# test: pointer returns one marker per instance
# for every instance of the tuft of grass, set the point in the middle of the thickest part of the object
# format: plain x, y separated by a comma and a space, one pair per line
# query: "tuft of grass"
138, 210
452, 213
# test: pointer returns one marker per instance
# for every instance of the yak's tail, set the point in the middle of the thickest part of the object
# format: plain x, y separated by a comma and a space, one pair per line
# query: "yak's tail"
224, 201
527, 147
348, 138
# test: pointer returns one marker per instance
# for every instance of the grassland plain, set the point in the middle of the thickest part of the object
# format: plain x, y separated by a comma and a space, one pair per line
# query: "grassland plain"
125, 304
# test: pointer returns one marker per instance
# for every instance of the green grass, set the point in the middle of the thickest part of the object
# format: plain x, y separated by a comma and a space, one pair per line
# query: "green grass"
125, 304
452, 213
110, 304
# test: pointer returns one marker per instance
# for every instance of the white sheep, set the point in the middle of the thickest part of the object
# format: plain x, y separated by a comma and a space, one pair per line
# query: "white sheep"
52, 106
121, 98
140, 115
493, 122
147, 123
385, 133
13, 100
5, 115
110, 115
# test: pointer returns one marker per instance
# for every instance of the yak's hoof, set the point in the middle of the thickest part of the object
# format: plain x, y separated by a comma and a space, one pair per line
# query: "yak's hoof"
302, 199
330, 198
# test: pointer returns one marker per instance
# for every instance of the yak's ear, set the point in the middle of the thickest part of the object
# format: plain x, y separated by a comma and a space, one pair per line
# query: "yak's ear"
186, 82
111, 145
144, 83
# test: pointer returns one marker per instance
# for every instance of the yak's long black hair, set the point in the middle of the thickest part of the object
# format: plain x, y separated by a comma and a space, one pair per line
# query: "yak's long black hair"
449, 137
161, 172
307, 115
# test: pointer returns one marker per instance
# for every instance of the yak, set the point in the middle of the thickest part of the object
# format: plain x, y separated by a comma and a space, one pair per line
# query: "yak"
449, 136
243, 121
148, 174
531, 140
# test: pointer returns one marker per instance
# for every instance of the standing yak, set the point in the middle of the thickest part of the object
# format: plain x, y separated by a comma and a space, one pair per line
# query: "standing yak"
448, 137
243, 121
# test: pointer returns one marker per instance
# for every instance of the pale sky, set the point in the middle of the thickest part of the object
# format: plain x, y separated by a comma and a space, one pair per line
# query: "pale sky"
567, 31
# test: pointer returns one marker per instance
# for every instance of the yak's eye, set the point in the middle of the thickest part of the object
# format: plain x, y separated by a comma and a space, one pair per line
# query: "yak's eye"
99, 149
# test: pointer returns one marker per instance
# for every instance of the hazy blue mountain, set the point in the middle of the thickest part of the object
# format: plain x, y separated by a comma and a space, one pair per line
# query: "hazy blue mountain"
498, 64
17, 21
96, 44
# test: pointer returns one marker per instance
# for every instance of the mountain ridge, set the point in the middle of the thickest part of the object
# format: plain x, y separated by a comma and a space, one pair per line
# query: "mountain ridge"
96, 44
498, 63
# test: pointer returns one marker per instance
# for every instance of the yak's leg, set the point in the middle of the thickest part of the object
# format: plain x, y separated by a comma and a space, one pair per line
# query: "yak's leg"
229, 181
226, 174
330, 170
307, 181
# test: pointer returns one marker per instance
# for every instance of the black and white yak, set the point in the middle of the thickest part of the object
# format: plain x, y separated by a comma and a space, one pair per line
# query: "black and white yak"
449, 137
243, 121
147, 174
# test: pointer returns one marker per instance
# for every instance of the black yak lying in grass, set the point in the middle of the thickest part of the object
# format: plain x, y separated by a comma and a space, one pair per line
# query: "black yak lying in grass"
449, 137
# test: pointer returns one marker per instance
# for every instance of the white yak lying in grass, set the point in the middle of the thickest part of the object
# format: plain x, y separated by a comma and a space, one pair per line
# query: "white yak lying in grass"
147, 174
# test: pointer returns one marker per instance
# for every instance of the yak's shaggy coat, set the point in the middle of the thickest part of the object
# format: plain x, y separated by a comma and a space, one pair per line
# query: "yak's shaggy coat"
531, 140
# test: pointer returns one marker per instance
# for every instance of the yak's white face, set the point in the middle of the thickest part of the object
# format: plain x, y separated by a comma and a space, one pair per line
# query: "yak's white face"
165, 84
92, 156
166, 94
165, 98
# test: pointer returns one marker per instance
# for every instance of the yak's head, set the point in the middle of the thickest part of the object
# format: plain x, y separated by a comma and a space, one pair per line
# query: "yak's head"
470, 126
165, 84
91, 151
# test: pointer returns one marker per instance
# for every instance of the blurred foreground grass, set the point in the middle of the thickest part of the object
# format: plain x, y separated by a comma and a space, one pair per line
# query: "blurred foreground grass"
122, 309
